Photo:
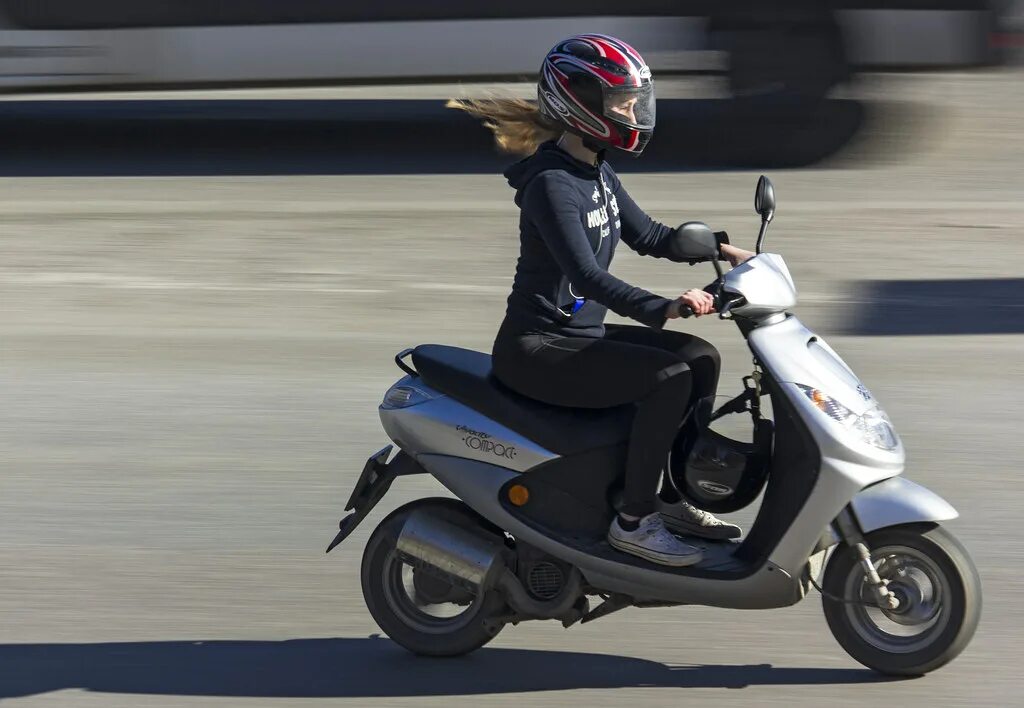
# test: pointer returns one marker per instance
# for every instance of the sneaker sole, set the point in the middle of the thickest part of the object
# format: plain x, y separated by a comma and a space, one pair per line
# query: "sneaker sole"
688, 529
653, 556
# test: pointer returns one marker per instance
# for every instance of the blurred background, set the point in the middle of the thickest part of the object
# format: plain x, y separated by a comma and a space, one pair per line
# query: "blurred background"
219, 221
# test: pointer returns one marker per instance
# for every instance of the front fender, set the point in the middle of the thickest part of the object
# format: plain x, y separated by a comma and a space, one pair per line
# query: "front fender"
897, 501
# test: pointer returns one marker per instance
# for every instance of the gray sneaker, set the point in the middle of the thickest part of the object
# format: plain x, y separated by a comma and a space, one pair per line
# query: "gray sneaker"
686, 519
653, 542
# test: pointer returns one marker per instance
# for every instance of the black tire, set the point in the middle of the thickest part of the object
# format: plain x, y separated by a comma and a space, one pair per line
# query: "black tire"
945, 600
397, 616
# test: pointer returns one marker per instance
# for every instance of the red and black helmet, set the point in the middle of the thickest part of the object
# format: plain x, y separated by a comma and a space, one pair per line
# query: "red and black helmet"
601, 89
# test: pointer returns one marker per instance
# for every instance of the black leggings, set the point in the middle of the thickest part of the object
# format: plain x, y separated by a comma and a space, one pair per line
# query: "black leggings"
662, 371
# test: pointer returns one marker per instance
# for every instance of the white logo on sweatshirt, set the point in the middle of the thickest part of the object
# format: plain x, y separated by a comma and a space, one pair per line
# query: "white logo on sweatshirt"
597, 217
612, 201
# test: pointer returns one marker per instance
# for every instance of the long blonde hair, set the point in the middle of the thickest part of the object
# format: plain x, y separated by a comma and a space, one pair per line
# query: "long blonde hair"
517, 124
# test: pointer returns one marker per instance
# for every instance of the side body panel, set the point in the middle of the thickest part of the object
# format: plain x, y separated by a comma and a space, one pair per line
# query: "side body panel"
443, 426
478, 484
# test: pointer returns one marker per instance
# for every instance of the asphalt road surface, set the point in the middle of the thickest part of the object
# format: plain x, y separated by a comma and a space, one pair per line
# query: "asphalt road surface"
190, 368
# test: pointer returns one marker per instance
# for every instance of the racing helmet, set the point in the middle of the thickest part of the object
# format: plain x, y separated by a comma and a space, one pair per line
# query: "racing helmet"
601, 89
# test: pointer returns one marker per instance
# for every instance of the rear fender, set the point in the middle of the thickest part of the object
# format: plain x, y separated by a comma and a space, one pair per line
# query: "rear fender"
373, 483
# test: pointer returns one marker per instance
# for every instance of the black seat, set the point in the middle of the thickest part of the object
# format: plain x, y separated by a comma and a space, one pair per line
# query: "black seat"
465, 375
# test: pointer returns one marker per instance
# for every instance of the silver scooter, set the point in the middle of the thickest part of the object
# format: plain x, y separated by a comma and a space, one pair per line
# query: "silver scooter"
536, 487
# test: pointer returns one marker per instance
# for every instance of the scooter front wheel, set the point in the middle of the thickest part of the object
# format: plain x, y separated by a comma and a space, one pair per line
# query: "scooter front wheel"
419, 611
939, 595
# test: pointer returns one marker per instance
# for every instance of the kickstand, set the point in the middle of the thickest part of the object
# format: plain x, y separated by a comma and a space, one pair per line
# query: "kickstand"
614, 603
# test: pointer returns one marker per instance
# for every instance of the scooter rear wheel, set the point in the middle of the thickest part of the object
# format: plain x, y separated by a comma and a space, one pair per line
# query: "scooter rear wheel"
419, 611
939, 592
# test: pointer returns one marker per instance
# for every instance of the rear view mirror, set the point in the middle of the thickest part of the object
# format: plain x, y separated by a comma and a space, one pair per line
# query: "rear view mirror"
764, 199
698, 241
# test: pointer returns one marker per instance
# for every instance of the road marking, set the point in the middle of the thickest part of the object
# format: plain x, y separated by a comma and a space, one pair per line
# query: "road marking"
105, 281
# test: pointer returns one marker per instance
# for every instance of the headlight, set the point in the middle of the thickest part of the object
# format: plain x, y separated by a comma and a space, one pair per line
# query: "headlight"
874, 427
403, 395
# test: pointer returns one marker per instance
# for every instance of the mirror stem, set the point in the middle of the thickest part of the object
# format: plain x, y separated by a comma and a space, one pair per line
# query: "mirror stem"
760, 234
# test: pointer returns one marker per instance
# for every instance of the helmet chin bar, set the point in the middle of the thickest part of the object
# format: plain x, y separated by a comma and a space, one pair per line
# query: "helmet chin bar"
601, 148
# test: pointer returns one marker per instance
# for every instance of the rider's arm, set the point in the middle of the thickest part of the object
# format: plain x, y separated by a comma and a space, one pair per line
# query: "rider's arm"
650, 238
554, 209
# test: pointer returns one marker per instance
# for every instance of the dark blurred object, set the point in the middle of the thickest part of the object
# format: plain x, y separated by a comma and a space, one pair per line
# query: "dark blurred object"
215, 137
1008, 37
793, 50
106, 14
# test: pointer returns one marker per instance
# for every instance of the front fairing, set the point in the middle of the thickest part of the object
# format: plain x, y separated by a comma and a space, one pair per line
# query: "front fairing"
796, 357
765, 285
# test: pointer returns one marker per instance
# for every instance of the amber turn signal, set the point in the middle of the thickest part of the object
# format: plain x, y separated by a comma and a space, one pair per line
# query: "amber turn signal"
518, 494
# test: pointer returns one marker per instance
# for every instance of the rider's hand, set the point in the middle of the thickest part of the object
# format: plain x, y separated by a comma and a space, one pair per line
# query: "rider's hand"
697, 300
735, 255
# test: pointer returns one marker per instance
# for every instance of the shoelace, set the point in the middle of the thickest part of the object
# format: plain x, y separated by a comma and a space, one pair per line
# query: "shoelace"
650, 527
655, 527
704, 517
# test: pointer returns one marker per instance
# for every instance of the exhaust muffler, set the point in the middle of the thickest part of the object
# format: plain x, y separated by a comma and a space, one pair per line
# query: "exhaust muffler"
475, 563
461, 557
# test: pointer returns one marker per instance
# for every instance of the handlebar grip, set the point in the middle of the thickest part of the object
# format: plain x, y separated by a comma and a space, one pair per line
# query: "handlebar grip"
685, 311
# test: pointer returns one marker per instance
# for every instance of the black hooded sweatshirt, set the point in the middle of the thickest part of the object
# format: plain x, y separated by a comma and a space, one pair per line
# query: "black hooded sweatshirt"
572, 217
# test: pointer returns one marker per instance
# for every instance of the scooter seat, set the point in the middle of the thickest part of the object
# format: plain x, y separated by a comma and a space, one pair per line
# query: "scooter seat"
465, 375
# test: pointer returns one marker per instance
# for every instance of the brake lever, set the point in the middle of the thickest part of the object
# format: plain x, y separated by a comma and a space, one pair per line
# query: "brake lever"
723, 314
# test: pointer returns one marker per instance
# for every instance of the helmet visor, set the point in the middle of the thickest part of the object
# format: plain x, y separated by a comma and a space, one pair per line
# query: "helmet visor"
632, 106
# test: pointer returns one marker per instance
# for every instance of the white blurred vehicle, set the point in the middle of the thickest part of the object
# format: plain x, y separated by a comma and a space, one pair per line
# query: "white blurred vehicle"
800, 44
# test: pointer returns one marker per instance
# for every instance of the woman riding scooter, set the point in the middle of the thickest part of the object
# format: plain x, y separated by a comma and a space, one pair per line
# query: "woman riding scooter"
596, 92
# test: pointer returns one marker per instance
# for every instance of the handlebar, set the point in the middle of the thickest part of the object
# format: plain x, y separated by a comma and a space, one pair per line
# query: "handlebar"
723, 301
712, 289
733, 300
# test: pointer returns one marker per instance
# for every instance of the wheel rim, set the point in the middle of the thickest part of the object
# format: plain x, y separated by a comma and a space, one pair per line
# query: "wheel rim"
924, 592
425, 602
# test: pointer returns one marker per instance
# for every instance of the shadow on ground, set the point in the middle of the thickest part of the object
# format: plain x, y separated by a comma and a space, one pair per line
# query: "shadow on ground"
937, 307
373, 667
257, 137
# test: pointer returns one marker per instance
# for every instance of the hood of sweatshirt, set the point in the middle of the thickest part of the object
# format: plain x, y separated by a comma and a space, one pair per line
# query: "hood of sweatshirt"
548, 157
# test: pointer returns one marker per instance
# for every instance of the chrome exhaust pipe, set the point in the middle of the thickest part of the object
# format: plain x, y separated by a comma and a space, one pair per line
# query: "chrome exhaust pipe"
461, 557
475, 563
